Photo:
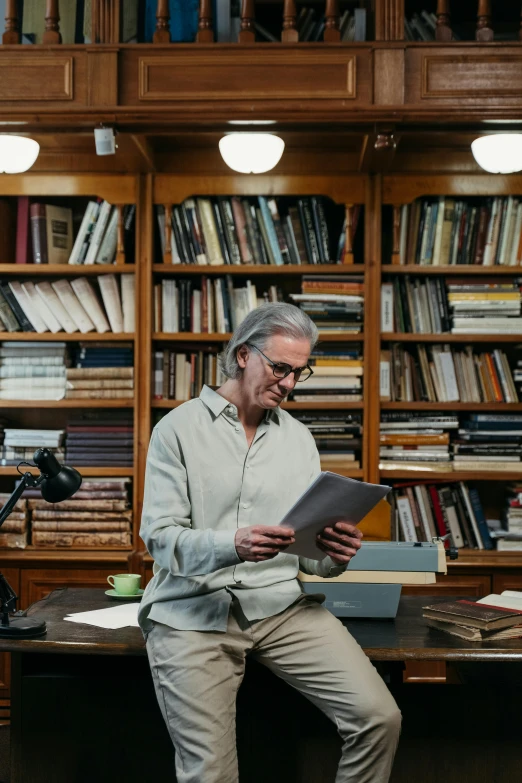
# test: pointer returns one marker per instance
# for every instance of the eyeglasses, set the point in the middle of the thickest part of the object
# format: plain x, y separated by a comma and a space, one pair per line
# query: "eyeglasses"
282, 370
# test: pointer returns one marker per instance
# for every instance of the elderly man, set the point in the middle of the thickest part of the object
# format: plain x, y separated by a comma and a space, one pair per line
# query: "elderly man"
222, 470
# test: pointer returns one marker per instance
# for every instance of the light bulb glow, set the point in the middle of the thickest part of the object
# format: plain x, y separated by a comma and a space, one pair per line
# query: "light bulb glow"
500, 153
251, 153
17, 153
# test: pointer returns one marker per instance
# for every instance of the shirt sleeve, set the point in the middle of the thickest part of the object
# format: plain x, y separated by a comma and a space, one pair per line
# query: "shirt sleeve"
326, 567
166, 518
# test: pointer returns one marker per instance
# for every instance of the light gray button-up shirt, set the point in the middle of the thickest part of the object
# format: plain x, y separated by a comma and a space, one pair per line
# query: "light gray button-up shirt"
202, 483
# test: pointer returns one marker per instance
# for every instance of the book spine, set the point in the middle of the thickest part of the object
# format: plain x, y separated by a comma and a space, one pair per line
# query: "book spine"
39, 233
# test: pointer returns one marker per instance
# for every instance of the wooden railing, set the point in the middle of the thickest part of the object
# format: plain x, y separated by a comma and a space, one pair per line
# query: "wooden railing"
106, 15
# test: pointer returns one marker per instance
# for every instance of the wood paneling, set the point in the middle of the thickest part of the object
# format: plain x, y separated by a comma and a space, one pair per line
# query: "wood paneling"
475, 585
36, 78
328, 75
37, 583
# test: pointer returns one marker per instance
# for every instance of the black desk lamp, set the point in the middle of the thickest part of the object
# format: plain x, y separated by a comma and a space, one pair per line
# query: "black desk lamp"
57, 482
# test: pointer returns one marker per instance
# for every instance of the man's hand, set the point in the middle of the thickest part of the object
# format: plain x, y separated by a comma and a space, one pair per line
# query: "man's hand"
340, 542
261, 542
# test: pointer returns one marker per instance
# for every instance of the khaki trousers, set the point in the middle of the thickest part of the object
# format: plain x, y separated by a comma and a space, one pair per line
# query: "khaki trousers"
197, 675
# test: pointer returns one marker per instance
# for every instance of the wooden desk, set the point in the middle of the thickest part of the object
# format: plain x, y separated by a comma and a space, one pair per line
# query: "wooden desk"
84, 708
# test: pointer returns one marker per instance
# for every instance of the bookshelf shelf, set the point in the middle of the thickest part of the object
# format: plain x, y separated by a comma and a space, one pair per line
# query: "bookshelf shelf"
85, 471
501, 407
445, 337
66, 404
67, 337
460, 270
297, 406
342, 470
188, 337
66, 270
259, 269
452, 475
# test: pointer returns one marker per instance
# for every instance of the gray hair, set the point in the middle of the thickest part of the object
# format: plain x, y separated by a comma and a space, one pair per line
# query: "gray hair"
261, 324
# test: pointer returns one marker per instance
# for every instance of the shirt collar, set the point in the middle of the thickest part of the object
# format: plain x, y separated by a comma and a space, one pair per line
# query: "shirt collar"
217, 404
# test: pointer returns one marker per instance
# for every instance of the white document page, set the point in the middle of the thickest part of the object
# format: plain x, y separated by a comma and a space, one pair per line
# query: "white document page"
331, 498
114, 617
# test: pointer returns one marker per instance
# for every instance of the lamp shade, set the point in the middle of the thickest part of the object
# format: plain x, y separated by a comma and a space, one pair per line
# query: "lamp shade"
500, 153
17, 153
60, 481
251, 153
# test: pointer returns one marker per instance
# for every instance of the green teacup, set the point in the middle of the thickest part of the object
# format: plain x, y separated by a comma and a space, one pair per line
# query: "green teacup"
125, 584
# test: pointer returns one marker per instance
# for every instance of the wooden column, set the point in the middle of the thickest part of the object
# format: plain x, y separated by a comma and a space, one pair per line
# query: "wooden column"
396, 247
120, 244
331, 29
162, 31
12, 27
443, 30
205, 31
247, 32
348, 242
52, 23
484, 30
290, 33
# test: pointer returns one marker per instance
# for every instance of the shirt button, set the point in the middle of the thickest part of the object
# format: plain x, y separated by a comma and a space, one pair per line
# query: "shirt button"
237, 429
246, 505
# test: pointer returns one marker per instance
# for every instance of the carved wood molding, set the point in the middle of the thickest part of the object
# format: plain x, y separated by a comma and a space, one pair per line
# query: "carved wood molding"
48, 78
502, 73
272, 77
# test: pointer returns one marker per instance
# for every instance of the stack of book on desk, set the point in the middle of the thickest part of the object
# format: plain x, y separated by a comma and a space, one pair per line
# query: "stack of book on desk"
488, 619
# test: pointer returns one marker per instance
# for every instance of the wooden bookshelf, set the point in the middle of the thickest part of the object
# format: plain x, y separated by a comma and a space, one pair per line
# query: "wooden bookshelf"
500, 407
64, 270
75, 337
459, 270
75, 403
259, 269
444, 337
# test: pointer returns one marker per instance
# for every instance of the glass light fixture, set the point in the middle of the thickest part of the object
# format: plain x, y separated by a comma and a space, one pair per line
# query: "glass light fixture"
251, 153
17, 153
499, 153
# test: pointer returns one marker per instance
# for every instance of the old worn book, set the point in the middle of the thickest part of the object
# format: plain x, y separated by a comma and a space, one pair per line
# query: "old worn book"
472, 614
79, 505
475, 634
96, 394
100, 373
69, 525
20, 504
13, 540
80, 516
14, 526
72, 539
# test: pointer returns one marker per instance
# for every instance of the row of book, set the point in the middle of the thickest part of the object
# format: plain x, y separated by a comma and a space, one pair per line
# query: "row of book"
70, 306
459, 306
422, 26
338, 436
45, 232
256, 230
421, 441
218, 305
423, 511
98, 515
445, 231
441, 373
337, 375
54, 370
180, 373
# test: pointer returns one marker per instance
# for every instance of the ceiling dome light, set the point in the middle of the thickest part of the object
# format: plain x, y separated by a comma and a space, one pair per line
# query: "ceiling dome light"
17, 153
251, 153
500, 153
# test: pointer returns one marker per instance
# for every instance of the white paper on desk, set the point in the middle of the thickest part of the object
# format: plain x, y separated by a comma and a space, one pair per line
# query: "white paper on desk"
331, 498
114, 617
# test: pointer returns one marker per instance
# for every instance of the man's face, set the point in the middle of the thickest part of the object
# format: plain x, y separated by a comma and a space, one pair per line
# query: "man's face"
262, 387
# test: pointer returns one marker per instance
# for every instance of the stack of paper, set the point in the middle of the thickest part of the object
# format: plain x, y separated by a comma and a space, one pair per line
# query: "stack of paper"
114, 617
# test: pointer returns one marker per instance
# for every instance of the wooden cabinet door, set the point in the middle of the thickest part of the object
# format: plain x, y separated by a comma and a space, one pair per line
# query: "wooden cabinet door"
510, 581
13, 577
36, 583
450, 585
